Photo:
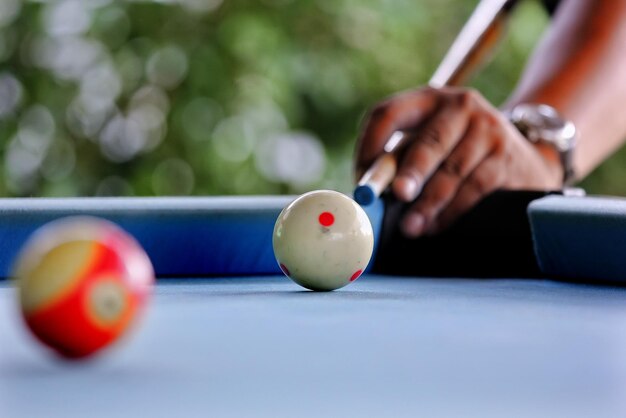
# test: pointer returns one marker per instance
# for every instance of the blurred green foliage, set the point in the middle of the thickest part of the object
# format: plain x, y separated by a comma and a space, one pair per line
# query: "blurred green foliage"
101, 97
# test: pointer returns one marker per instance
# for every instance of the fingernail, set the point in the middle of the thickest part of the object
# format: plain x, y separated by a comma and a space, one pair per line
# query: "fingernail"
406, 188
413, 225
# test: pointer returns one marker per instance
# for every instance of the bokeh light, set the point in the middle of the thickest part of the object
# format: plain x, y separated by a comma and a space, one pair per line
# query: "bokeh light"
295, 158
234, 139
10, 94
66, 17
9, 10
167, 66
199, 118
100, 87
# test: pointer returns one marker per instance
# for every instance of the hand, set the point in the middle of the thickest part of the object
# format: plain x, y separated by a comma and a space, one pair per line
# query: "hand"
461, 149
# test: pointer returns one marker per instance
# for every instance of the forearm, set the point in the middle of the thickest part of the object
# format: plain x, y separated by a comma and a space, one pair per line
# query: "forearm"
580, 69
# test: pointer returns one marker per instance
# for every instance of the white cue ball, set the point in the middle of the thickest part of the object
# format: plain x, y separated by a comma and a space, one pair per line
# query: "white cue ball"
323, 240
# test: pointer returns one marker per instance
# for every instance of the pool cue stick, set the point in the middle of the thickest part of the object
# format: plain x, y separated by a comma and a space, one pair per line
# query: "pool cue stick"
470, 49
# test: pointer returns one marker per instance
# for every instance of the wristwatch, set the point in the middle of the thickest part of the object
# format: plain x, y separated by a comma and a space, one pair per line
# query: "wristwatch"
541, 123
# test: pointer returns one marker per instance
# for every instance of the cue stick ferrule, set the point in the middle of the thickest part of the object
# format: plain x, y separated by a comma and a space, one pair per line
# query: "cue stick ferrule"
376, 179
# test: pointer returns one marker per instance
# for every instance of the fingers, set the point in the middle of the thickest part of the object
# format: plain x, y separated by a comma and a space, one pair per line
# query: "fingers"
444, 184
432, 144
401, 112
484, 180
487, 178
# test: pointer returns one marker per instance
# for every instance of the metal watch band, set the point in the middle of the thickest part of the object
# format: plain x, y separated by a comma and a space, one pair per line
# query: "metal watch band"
567, 162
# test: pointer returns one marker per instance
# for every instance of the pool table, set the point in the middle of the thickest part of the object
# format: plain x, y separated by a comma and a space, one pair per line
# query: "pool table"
387, 345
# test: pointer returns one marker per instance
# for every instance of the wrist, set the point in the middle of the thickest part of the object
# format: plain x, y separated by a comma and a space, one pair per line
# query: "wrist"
553, 136
555, 172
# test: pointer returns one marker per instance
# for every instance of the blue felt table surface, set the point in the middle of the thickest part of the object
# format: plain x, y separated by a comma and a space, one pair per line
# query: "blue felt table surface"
384, 346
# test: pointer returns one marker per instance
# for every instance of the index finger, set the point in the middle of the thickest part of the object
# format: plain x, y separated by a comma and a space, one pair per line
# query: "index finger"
401, 112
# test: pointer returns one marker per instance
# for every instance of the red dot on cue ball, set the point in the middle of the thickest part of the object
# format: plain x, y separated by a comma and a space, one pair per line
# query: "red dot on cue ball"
326, 219
356, 275
284, 269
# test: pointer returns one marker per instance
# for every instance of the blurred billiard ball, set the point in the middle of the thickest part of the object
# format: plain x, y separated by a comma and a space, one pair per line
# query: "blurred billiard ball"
81, 282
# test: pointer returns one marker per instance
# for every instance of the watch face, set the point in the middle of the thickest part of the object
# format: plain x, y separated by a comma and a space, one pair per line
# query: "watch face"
538, 116
544, 123
548, 117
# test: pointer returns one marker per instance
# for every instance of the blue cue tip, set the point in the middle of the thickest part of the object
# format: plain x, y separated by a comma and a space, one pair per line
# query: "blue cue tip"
364, 195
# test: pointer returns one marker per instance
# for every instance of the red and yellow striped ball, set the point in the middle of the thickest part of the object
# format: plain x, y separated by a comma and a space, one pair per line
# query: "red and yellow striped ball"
81, 283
